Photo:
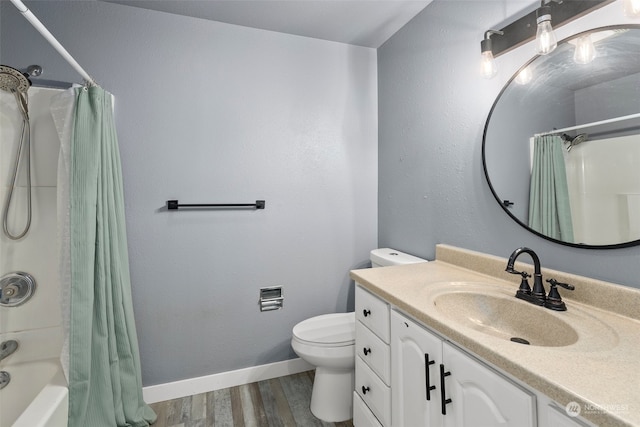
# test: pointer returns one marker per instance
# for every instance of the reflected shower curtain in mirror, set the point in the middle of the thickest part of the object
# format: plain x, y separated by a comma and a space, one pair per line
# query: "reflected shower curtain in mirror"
103, 363
549, 208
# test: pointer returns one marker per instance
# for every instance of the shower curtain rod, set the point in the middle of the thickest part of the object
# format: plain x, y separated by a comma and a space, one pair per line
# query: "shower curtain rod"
33, 20
586, 125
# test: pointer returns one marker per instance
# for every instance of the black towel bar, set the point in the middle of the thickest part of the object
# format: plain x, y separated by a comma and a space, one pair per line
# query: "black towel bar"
174, 205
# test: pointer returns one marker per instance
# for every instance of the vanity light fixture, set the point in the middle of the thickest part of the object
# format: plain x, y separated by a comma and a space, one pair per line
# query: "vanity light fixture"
537, 25
631, 8
488, 64
546, 40
585, 50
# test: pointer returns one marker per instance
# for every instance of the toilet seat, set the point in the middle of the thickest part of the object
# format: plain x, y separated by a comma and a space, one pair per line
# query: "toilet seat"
327, 330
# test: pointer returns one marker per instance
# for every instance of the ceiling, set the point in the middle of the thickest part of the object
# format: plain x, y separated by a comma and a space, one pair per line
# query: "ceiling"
366, 23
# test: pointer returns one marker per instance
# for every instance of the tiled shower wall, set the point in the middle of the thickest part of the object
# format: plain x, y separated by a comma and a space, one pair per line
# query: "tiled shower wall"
37, 252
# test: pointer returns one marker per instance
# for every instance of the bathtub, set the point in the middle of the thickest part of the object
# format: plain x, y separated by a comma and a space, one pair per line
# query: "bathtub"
37, 395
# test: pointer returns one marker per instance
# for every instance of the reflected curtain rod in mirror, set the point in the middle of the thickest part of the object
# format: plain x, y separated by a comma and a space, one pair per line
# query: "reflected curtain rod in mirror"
592, 124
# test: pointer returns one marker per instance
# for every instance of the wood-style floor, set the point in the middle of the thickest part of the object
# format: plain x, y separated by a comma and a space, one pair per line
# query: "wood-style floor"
277, 402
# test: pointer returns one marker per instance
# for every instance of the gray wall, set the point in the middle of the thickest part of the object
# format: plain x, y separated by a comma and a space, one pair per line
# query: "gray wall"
209, 112
517, 116
433, 104
620, 97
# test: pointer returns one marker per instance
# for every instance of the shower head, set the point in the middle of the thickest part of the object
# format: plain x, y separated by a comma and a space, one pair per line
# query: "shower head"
572, 141
12, 80
579, 138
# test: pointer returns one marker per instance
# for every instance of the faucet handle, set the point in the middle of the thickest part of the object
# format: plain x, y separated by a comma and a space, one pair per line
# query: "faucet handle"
512, 270
524, 284
554, 301
554, 283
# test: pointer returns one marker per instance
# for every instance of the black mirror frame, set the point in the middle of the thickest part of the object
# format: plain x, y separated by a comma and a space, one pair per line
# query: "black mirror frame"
504, 204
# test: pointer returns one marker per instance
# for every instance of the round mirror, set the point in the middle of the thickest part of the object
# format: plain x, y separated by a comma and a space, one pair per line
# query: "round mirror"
561, 146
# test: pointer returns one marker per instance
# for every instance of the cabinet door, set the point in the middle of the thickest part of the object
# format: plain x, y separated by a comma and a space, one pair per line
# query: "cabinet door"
557, 417
416, 355
480, 397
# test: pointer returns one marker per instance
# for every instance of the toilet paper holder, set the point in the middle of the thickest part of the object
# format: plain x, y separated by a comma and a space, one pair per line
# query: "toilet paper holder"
271, 298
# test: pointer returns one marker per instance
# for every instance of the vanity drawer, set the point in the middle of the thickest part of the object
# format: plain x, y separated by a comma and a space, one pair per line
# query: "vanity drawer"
373, 392
362, 416
373, 313
374, 352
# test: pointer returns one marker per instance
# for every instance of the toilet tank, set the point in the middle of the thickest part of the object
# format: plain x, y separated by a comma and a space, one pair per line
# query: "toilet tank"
386, 256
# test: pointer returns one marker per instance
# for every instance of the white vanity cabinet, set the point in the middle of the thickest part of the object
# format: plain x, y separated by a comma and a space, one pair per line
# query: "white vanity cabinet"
426, 369
372, 396
479, 396
399, 368
417, 355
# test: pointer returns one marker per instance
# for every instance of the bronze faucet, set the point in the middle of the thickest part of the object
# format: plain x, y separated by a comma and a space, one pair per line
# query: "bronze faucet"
537, 296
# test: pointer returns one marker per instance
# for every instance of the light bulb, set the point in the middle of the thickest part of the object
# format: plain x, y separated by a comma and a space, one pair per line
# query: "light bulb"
585, 50
546, 40
524, 76
488, 65
631, 8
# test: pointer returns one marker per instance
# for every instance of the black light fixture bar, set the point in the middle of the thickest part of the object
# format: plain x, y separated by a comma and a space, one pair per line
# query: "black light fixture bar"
523, 30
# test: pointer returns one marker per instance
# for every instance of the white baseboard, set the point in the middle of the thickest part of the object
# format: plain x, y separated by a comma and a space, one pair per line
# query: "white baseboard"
188, 387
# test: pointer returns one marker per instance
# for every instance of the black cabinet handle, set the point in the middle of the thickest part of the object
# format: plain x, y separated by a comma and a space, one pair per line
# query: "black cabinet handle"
366, 312
365, 389
443, 394
428, 385
366, 350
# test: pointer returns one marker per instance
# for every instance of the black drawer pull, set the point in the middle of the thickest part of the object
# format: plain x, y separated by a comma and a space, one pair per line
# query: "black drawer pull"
428, 385
365, 389
366, 351
366, 312
443, 394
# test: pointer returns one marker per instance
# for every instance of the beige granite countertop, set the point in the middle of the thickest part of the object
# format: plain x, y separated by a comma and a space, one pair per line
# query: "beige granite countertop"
600, 371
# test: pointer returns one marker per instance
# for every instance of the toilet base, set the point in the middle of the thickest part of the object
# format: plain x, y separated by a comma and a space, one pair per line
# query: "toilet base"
332, 395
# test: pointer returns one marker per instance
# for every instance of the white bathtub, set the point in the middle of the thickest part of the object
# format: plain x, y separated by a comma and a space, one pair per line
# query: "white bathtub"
37, 395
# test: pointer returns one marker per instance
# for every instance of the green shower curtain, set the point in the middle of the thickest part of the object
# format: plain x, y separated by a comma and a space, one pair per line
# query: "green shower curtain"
105, 386
549, 208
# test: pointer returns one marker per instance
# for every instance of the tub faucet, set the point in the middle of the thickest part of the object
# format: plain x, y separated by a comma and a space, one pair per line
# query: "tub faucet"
537, 295
7, 348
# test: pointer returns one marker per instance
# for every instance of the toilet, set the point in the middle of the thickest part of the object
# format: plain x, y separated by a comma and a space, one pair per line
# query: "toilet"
328, 342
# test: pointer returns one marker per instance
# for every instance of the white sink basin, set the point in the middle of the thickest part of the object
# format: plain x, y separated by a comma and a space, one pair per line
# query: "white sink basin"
506, 317
494, 310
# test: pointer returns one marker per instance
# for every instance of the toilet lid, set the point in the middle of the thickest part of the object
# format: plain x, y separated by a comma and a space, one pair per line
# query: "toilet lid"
335, 328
